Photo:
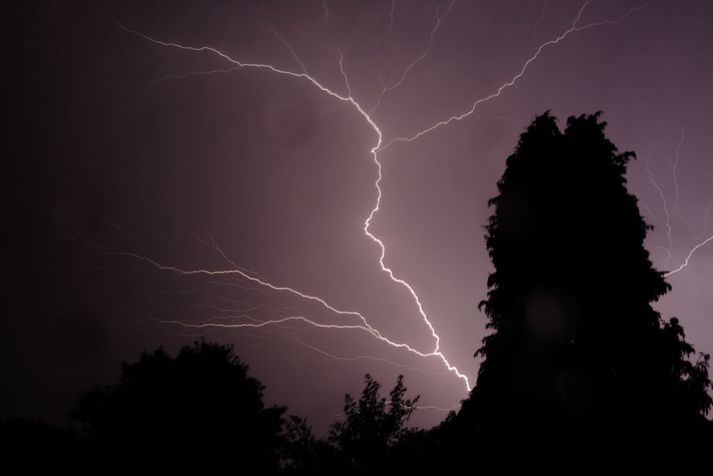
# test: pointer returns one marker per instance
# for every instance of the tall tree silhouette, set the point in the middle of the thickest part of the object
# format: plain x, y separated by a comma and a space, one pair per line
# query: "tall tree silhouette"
576, 349
198, 406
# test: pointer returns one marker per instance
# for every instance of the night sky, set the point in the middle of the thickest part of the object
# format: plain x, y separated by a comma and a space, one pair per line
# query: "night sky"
126, 155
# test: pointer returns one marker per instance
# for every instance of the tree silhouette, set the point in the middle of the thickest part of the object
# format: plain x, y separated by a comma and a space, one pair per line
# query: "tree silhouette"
577, 353
31, 443
372, 427
303, 453
198, 406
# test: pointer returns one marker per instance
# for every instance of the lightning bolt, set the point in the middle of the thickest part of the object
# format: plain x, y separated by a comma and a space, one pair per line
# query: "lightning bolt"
436, 352
193, 74
544, 11
214, 246
543, 14
434, 407
667, 214
360, 357
346, 78
391, 17
364, 326
690, 255
378, 146
404, 74
254, 324
675, 173
510, 83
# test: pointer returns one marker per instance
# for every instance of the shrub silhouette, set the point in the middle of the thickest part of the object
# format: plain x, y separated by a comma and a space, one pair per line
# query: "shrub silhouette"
199, 405
577, 357
372, 428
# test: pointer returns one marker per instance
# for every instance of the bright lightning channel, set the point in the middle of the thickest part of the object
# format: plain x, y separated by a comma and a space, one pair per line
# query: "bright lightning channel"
364, 326
374, 152
436, 352
361, 357
572, 29
690, 255
672, 214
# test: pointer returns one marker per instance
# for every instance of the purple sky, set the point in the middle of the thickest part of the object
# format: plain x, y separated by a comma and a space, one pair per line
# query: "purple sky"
121, 143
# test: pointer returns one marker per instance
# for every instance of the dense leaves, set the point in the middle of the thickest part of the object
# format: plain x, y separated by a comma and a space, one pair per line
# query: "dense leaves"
577, 352
200, 402
372, 426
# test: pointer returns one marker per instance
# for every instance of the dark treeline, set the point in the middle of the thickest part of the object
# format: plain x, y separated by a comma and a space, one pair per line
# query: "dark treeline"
579, 369
202, 407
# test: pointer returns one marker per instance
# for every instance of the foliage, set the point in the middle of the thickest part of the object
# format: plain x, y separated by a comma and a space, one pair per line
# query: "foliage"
372, 426
577, 350
200, 402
